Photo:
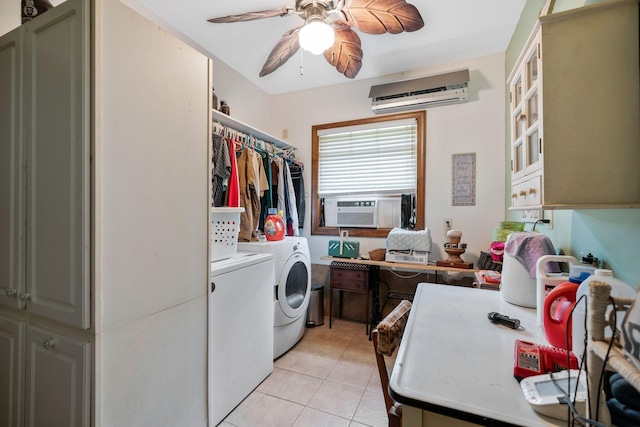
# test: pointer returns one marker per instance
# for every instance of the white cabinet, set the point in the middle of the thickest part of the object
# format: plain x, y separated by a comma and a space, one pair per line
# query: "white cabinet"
104, 133
45, 377
44, 141
58, 379
12, 363
575, 111
12, 209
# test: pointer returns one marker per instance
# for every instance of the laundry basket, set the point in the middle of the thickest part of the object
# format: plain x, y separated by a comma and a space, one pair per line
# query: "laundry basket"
225, 225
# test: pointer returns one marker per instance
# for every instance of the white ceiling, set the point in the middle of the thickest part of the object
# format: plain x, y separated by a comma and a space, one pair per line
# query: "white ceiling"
454, 30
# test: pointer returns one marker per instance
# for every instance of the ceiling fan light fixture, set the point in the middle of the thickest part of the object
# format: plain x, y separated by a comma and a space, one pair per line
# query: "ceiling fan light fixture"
316, 36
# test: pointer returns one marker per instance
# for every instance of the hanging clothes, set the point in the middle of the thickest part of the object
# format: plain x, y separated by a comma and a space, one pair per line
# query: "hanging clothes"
220, 170
266, 199
253, 183
233, 187
290, 203
279, 201
298, 187
248, 197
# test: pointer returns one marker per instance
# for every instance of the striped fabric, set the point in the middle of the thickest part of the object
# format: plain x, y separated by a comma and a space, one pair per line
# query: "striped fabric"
391, 328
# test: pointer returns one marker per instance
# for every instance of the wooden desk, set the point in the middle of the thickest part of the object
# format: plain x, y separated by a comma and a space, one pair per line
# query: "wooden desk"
455, 368
374, 279
349, 277
404, 266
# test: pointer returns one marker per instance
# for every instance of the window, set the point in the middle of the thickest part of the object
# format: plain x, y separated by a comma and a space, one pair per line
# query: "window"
381, 157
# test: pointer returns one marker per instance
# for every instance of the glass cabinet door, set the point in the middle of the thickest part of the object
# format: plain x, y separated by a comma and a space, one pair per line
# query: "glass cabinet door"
525, 86
532, 109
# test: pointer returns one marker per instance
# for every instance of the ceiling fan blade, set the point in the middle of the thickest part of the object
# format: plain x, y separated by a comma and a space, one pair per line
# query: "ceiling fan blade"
286, 47
382, 16
251, 16
346, 54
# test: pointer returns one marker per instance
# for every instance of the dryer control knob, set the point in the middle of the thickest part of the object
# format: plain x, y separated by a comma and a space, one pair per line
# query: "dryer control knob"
295, 248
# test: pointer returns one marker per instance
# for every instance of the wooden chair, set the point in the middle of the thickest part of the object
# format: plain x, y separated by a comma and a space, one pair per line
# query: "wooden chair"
386, 339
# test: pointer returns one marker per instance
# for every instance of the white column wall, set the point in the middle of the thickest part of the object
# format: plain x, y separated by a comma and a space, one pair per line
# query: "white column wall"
151, 204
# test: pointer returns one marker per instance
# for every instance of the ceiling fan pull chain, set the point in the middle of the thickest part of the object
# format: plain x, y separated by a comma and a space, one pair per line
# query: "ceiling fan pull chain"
301, 63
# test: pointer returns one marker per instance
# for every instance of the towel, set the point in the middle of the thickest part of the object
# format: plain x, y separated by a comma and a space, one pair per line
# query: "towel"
527, 247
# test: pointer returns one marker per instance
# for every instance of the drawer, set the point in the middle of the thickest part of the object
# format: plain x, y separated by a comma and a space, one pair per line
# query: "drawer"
527, 193
355, 280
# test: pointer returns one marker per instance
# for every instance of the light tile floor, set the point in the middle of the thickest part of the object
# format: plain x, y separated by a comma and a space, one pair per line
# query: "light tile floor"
328, 379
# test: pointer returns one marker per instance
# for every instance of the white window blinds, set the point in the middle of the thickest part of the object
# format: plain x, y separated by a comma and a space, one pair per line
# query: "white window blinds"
374, 158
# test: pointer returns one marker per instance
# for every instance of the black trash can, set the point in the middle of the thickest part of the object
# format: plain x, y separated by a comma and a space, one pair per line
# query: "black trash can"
315, 312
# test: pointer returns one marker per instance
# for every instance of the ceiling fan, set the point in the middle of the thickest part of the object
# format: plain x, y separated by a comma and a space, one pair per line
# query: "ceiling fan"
342, 47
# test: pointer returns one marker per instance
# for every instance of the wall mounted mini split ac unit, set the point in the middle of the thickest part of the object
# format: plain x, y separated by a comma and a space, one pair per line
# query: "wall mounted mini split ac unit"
425, 92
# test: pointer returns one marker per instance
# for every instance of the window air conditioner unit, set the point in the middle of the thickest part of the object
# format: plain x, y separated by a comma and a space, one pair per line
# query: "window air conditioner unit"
352, 213
425, 92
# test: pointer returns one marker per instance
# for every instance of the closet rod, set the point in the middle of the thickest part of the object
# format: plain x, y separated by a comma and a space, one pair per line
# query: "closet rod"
239, 126
250, 141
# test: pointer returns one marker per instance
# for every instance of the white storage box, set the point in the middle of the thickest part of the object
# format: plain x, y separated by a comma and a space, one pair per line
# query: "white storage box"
225, 225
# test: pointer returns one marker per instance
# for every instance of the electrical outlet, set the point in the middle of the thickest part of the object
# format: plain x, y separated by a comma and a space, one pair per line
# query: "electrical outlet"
285, 133
448, 224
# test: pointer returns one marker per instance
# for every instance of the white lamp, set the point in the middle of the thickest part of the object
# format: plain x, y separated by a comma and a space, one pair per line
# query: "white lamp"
316, 36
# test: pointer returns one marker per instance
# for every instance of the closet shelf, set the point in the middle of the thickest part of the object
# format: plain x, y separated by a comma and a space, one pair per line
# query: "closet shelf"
236, 124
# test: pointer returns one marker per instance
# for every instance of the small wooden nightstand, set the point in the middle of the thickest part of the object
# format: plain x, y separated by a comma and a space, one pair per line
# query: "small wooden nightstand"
349, 277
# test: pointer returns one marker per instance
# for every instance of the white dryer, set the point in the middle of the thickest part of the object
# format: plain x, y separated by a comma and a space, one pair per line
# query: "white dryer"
292, 291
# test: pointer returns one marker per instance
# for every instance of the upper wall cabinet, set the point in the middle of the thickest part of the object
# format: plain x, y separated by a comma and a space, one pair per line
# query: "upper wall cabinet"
575, 111
45, 168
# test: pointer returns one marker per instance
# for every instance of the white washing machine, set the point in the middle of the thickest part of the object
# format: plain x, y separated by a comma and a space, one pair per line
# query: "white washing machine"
292, 291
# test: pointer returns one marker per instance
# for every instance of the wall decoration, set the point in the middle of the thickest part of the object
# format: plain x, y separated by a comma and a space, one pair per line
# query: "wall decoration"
463, 189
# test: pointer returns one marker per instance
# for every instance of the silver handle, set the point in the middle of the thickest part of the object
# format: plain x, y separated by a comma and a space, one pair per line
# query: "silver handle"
24, 296
11, 292
48, 343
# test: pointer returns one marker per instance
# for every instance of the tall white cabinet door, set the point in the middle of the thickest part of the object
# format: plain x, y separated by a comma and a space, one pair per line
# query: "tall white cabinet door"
11, 372
57, 143
58, 378
11, 161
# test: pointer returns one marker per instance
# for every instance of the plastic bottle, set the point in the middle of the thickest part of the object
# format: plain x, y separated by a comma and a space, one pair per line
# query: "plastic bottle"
618, 289
274, 226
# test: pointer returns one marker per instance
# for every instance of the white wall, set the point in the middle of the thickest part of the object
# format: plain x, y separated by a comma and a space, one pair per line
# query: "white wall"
9, 15
247, 102
476, 126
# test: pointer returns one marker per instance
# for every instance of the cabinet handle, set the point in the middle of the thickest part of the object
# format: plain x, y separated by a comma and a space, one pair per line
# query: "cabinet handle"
514, 195
48, 343
522, 117
532, 191
24, 296
11, 292
523, 193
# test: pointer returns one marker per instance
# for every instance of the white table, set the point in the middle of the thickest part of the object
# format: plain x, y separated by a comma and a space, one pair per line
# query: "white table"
454, 362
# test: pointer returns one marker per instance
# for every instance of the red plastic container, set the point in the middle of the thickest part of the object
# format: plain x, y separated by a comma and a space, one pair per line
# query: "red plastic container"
557, 309
273, 226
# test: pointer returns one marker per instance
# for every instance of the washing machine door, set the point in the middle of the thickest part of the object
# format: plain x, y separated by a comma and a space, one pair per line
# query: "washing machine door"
294, 285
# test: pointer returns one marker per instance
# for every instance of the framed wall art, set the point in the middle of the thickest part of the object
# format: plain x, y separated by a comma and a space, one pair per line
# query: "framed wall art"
463, 188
